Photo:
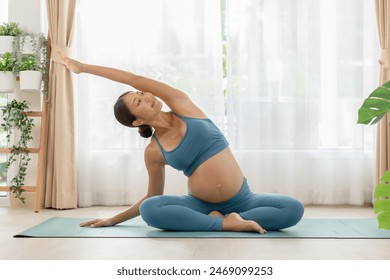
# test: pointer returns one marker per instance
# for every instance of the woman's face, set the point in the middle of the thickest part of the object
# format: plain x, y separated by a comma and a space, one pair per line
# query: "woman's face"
143, 105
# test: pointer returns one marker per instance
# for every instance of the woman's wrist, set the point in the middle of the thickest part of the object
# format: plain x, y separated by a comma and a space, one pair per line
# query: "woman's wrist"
111, 221
83, 68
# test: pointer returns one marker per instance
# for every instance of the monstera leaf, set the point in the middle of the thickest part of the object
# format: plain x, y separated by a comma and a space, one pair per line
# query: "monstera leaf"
373, 109
382, 201
375, 106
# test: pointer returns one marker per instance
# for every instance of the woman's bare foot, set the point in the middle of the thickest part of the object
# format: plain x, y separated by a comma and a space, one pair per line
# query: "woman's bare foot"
234, 222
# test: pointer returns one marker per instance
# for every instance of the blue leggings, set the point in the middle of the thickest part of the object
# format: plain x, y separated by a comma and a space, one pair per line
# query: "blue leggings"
187, 213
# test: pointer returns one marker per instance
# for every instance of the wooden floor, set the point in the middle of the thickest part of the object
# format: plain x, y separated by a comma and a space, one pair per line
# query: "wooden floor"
15, 220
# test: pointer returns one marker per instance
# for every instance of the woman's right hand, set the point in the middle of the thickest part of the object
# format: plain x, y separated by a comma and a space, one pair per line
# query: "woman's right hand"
97, 223
73, 65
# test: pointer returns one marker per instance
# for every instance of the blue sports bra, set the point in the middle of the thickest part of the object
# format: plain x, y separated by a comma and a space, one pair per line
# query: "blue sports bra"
201, 141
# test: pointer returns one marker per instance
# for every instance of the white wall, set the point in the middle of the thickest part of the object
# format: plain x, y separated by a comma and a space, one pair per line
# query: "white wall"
27, 13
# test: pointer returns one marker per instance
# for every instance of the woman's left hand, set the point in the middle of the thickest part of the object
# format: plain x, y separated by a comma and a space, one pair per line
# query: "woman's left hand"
97, 223
73, 65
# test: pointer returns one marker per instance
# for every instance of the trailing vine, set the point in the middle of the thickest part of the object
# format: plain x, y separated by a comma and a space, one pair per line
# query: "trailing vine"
15, 118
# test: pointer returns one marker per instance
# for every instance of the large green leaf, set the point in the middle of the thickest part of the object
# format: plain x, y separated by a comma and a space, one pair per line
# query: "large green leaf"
381, 205
386, 177
382, 190
375, 106
384, 220
382, 201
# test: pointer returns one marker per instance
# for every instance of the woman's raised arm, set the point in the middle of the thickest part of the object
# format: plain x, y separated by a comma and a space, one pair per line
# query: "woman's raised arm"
177, 100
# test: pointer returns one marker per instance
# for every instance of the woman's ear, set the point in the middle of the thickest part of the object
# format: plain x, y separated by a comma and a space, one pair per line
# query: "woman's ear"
138, 122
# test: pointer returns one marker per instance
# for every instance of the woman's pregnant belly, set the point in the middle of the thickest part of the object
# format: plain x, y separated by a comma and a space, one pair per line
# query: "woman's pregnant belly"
217, 179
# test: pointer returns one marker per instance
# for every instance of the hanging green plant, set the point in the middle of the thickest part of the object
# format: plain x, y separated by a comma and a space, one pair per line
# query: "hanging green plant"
15, 118
373, 109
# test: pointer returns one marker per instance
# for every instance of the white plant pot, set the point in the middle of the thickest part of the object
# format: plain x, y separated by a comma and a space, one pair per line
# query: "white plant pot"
6, 44
30, 81
7, 82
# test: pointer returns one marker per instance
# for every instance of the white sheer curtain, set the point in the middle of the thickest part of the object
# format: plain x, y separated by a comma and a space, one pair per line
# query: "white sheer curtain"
297, 71
175, 41
297, 74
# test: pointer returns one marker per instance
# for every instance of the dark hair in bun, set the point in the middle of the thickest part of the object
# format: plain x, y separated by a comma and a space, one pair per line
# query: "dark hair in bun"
126, 118
145, 131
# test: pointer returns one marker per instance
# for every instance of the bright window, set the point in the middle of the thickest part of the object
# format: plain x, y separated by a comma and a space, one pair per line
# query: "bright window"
283, 79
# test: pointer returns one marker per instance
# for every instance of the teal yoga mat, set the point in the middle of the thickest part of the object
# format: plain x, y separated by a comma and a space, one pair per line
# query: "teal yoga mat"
137, 228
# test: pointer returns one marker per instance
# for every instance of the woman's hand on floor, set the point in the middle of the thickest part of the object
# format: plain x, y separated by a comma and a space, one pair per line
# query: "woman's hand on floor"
97, 223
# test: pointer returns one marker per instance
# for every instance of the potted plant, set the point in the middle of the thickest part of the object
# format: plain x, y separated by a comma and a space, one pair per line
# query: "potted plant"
7, 75
33, 58
374, 107
15, 118
30, 74
8, 31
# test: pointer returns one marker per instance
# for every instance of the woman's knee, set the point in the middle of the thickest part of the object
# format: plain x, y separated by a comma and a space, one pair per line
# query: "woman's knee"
149, 209
295, 210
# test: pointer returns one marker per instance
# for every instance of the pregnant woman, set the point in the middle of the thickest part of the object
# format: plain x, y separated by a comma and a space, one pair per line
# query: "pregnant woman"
219, 197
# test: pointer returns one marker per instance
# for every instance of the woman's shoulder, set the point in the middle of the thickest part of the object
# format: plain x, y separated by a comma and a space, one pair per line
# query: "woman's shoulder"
153, 153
